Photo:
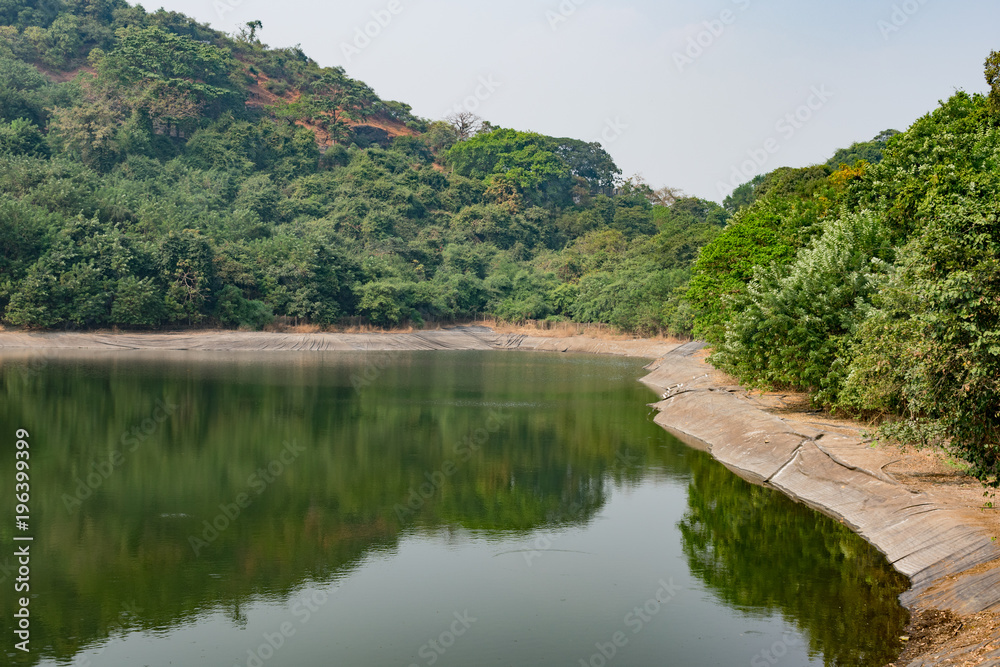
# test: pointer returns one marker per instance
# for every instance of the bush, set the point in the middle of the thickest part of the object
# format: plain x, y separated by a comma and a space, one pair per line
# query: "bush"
387, 303
22, 137
137, 303
939, 331
233, 309
793, 322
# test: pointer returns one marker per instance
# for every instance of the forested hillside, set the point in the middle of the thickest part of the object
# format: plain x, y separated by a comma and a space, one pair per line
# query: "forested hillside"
876, 287
154, 172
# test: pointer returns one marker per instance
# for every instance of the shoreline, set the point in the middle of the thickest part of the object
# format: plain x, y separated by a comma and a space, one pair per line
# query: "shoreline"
930, 531
927, 531
458, 338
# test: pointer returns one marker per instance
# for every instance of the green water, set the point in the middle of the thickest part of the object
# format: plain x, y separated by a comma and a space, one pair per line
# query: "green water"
406, 509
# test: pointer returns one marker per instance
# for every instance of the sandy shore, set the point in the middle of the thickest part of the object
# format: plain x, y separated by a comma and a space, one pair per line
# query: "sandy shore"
927, 518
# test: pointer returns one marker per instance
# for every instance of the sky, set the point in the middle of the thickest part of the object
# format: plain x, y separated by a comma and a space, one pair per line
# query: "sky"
699, 96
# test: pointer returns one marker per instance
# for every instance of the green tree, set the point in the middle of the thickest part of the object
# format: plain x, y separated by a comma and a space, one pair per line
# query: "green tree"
186, 267
524, 159
725, 266
22, 137
171, 77
137, 303
931, 352
993, 78
89, 132
795, 321
24, 92
234, 309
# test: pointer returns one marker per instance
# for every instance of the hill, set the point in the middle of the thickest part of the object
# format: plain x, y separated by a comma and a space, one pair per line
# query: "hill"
156, 172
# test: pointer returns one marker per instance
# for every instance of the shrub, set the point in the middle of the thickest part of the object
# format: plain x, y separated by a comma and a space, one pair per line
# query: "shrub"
793, 321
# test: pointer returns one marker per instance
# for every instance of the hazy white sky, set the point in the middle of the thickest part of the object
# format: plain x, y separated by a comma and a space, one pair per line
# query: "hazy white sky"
685, 93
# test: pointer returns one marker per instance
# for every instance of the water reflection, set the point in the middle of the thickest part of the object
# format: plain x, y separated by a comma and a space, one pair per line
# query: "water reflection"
759, 552
168, 489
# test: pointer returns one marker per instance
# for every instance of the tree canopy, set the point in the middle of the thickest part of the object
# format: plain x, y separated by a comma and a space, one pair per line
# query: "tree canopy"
874, 287
172, 175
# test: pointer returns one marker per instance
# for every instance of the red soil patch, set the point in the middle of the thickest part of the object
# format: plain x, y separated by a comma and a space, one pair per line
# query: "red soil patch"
260, 96
63, 77
393, 127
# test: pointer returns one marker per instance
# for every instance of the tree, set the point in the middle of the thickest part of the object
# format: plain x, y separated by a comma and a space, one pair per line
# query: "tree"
24, 92
335, 99
387, 302
726, 265
744, 195
440, 136
89, 131
869, 151
251, 30
137, 303
74, 282
234, 309
794, 321
588, 161
465, 123
186, 267
22, 137
993, 78
173, 78
522, 158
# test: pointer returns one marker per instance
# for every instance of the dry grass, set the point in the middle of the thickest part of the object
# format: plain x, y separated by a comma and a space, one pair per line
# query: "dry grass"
371, 329
543, 329
350, 327
279, 327
537, 328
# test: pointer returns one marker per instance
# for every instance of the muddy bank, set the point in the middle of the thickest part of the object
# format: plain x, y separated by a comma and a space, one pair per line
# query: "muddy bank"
935, 533
455, 338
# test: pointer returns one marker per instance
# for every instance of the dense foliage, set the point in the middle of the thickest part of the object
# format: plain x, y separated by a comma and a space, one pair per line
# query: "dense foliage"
155, 172
875, 287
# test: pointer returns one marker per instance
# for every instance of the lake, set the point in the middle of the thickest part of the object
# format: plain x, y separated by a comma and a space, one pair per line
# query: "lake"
430, 508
